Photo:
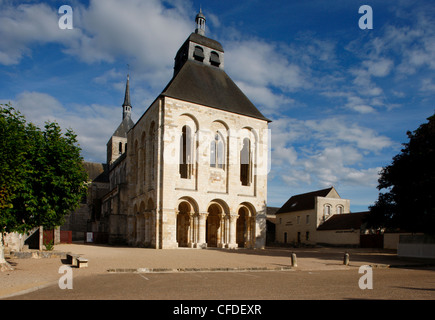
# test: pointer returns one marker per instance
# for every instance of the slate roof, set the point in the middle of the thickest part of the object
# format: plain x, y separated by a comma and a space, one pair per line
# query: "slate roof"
124, 127
344, 221
305, 201
212, 87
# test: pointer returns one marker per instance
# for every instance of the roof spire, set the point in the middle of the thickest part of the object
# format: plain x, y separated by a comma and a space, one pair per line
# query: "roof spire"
126, 107
200, 23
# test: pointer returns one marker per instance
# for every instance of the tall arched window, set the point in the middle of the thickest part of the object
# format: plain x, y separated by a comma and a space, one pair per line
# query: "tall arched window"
217, 152
186, 153
245, 163
326, 211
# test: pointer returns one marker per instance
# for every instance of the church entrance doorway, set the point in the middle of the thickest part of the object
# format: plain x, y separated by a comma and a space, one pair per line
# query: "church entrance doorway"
242, 227
183, 224
213, 236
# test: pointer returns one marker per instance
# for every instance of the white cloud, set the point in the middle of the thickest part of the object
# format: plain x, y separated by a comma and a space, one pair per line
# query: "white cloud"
28, 24
329, 151
378, 67
261, 64
144, 31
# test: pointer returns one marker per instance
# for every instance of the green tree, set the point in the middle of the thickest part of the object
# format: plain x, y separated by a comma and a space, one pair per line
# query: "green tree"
42, 178
409, 183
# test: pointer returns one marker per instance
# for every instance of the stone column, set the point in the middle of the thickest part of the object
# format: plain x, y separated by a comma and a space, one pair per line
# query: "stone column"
191, 234
202, 242
232, 231
226, 230
221, 232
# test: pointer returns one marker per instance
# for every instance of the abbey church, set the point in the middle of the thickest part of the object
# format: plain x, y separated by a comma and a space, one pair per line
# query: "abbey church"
192, 171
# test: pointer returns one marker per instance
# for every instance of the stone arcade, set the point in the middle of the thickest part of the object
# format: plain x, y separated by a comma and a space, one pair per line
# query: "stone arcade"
192, 172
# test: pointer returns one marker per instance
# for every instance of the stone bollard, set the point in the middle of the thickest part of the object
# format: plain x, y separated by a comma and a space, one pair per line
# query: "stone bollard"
346, 259
294, 260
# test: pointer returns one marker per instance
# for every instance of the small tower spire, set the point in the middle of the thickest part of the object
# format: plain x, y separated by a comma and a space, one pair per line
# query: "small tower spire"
200, 23
126, 107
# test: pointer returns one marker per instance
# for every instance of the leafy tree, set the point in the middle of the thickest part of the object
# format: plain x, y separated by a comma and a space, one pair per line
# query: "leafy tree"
409, 183
42, 178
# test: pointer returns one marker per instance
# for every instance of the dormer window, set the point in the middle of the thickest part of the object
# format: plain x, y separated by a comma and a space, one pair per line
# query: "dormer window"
214, 59
198, 54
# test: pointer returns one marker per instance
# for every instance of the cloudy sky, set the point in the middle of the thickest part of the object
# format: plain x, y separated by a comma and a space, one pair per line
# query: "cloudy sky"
341, 98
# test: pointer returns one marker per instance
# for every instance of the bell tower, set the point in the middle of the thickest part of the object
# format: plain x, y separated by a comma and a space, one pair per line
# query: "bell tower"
199, 48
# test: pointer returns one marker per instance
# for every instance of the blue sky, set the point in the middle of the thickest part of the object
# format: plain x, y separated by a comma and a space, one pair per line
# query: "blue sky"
341, 98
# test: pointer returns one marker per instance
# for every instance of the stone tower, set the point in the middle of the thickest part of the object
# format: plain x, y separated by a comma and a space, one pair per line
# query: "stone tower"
117, 144
195, 172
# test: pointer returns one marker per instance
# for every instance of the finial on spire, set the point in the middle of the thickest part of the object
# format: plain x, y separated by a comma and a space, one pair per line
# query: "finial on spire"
200, 23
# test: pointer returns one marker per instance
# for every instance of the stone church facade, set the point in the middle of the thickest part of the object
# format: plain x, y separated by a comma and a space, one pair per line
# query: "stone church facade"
192, 171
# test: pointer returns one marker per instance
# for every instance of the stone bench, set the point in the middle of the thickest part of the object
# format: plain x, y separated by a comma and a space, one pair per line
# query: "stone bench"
72, 259
82, 262
75, 260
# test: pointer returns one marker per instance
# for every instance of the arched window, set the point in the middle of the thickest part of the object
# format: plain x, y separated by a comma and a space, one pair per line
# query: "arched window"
245, 163
340, 209
214, 59
198, 54
186, 153
217, 152
326, 211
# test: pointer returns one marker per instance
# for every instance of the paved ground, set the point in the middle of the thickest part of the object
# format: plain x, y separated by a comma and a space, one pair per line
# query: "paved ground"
388, 284
323, 263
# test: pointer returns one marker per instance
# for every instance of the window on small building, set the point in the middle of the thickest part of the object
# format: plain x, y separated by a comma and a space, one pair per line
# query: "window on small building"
198, 54
120, 148
307, 235
214, 59
340, 209
307, 219
326, 211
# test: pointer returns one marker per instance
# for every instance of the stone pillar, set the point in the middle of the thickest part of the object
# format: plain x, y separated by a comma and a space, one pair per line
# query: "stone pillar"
221, 232
41, 238
196, 230
232, 225
226, 230
169, 229
202, 242
191, 241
